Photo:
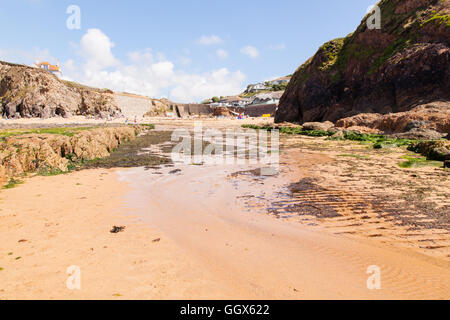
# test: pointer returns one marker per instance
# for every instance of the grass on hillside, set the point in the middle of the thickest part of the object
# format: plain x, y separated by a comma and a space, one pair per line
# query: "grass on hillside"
84, 87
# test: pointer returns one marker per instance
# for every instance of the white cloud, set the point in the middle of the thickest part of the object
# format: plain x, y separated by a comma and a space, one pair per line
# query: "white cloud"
209, 40
143, 56
250, 51
96, 48
190, 87
26, 57
146, 73
222, 54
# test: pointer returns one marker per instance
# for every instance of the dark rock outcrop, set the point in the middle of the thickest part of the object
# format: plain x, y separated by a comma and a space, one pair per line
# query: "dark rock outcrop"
433, 150
404, 64
27, 92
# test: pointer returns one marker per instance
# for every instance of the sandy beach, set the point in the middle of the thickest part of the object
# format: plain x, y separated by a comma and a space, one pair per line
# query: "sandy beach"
214, 232
66, 220
189, 161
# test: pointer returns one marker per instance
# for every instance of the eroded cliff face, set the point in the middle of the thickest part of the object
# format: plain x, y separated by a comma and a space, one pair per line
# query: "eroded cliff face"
405, 64
27, 92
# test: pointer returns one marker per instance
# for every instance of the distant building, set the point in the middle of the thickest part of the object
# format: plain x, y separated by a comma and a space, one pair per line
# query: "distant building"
268, 84
256, 87
267, 98
53, 69
279, 81
234, 101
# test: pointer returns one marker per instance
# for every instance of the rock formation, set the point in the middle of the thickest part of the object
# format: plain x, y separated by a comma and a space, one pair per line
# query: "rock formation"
404, 64
33, 152
30, 92
432, 116
433, 150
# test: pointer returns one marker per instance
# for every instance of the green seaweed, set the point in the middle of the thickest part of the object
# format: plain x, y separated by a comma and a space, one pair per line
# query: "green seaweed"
412, 162
357, 156
292, 131
377, 141
48, 172
12, 183
59, 131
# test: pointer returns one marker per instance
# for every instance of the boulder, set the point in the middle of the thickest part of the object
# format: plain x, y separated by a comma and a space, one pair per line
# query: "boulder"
420, 134
431, 116
319, 126
433, 150
415, 124
338, 135
362, 129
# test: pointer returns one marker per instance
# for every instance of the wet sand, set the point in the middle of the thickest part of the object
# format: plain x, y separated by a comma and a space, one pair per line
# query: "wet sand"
218, 237
51, 223
267, 258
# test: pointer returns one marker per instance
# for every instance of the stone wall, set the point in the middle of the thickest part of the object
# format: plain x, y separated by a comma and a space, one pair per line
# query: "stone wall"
260, 110
195, 109
133, 105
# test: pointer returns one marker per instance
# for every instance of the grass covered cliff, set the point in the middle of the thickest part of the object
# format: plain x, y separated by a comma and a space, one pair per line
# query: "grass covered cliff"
392, 69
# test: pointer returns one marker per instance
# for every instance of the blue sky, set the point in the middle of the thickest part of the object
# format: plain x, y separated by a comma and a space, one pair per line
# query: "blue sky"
186, 50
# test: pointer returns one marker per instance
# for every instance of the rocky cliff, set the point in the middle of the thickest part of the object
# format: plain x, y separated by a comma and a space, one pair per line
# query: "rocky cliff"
404, 64
30, 92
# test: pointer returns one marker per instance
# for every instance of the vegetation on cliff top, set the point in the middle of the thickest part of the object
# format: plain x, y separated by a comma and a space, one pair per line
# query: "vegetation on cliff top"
403, 30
